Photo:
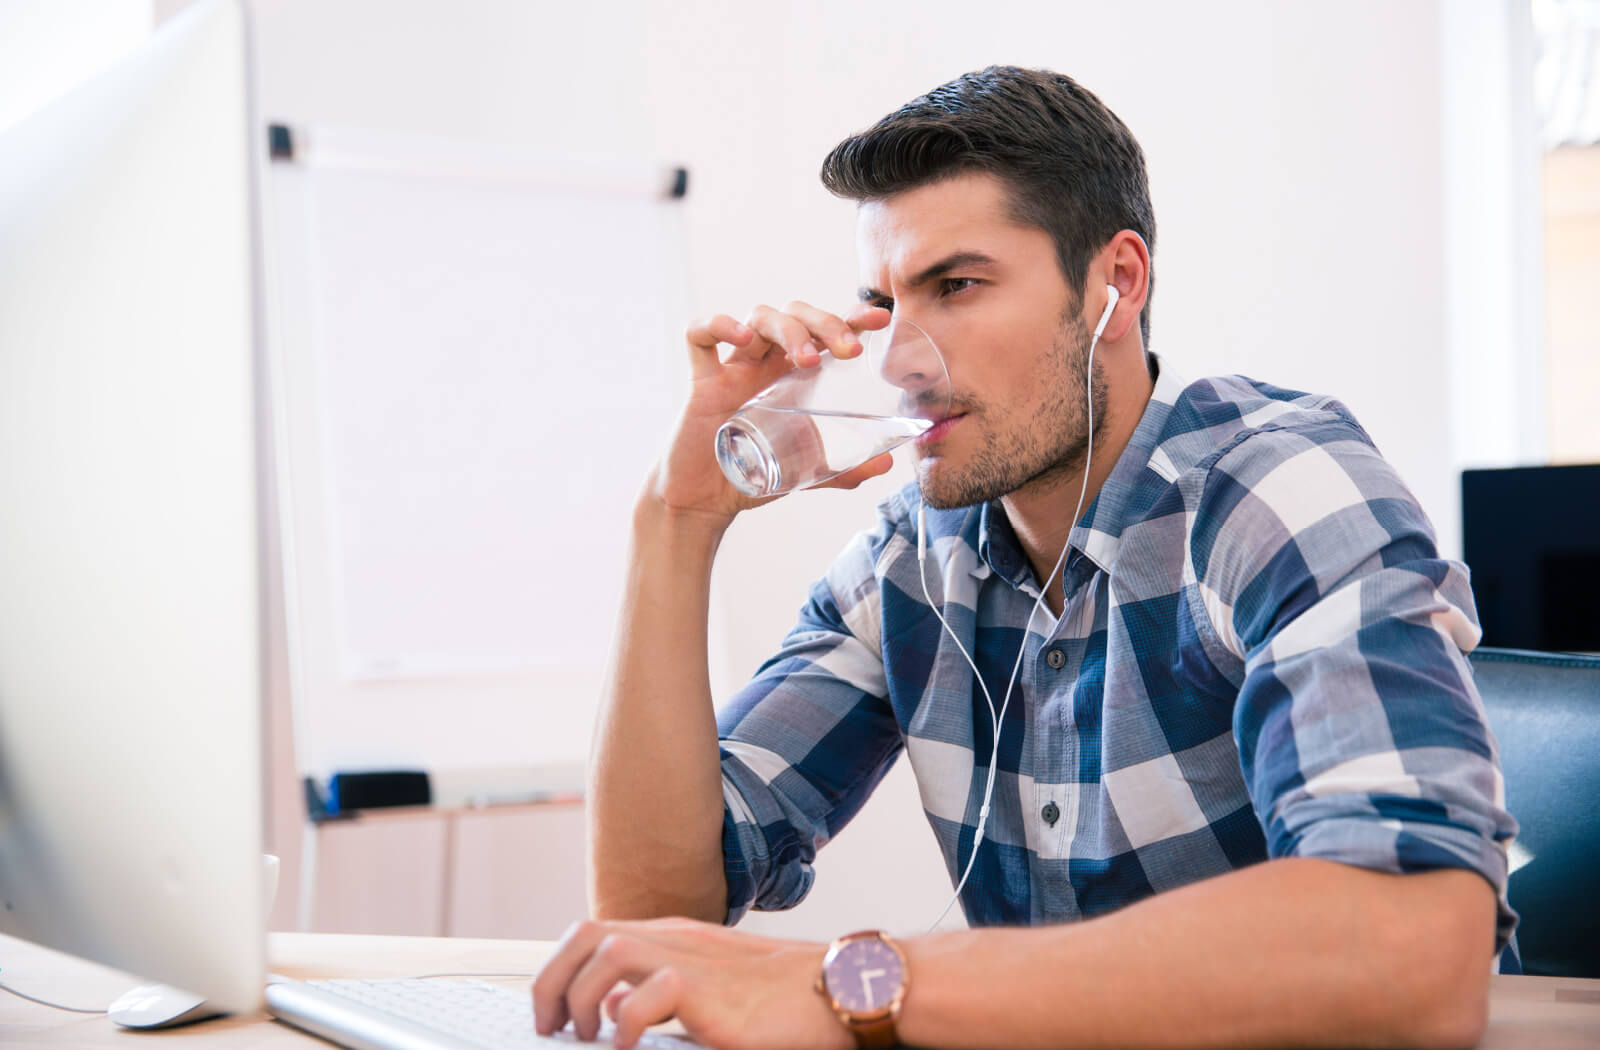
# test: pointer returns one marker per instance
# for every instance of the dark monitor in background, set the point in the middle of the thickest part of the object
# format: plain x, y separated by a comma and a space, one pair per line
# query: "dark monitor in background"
1531, 536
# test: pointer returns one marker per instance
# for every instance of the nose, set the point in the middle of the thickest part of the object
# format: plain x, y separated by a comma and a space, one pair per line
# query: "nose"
912, 362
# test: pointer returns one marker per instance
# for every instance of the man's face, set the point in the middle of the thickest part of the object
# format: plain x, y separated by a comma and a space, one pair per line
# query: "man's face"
949, 258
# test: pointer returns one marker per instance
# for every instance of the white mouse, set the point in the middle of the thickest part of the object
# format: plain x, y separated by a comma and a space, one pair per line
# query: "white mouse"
163, 1006
159, 1006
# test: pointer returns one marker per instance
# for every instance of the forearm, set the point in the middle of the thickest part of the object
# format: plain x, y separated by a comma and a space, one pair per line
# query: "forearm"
655, 785
1292, 952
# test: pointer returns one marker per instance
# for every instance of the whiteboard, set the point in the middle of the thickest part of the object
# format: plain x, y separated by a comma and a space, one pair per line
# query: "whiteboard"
480, 354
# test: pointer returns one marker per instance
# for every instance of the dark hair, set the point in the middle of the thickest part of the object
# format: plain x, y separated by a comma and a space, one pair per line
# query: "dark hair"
1074, 169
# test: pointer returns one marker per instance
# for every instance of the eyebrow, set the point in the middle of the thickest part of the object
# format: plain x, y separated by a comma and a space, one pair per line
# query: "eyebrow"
954, 261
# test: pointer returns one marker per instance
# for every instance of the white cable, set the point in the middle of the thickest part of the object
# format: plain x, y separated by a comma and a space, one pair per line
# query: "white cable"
1044, 589
994, 753
53, 1006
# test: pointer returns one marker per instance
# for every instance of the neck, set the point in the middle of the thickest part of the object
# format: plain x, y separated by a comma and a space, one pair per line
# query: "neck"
1041, 512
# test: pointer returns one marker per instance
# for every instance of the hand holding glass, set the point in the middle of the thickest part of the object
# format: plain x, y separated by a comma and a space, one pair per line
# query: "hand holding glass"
819, 422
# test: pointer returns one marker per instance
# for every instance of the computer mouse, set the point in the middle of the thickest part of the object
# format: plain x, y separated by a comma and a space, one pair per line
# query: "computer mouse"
159, 1006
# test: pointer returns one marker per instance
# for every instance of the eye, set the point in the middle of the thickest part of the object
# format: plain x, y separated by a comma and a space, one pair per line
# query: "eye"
956, 285
882, 303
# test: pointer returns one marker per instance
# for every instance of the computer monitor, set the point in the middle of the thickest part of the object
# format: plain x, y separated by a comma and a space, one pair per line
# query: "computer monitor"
135, 485
1531, 537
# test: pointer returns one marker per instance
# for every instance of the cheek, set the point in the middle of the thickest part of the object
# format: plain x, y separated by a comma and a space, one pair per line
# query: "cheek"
1003, 366
1025, 385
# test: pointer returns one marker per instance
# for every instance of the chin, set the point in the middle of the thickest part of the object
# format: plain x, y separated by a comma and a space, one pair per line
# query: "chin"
939, 492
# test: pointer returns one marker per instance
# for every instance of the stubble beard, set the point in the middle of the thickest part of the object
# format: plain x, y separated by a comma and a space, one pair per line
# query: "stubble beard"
1040, 450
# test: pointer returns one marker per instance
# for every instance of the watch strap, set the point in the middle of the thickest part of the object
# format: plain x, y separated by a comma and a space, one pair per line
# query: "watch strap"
875, 1035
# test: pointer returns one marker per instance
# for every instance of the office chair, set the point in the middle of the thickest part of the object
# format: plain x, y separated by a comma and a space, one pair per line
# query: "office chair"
1544, 709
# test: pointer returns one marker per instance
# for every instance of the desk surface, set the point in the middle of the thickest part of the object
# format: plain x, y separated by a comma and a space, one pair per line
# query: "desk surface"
1526, 1013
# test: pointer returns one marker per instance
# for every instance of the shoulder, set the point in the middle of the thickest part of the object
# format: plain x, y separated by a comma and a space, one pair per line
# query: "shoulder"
1244, 450
1234, 450
1210, 418
1303, 469
1293, 500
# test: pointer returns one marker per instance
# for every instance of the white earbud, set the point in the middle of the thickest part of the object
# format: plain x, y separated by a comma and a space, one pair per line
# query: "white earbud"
1112, 295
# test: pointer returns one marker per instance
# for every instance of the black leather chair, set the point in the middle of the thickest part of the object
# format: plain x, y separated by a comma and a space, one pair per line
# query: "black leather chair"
1544, 709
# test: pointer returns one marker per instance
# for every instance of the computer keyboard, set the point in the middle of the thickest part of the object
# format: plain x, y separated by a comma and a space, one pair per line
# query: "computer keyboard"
417, 1014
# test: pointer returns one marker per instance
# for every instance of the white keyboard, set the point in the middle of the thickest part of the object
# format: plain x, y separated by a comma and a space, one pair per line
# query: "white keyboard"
421, 1014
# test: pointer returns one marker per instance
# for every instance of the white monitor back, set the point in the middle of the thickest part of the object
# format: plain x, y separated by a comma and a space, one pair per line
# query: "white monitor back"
133, 444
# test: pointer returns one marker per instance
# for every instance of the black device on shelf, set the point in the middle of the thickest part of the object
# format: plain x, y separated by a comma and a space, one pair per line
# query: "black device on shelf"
1531, 536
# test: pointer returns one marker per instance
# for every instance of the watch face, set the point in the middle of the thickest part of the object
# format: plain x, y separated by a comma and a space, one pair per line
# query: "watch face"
864, 976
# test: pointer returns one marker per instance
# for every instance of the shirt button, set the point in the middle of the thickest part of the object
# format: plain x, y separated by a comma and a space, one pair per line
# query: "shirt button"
1055, 658
1051, 813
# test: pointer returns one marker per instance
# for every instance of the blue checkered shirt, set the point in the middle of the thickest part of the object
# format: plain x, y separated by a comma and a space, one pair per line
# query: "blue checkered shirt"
1261, 655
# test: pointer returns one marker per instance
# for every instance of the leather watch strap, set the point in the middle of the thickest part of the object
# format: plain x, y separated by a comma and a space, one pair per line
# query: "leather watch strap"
875, 1035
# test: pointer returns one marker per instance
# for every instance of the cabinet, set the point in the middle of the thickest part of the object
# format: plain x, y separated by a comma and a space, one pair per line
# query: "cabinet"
513, 871
520, 871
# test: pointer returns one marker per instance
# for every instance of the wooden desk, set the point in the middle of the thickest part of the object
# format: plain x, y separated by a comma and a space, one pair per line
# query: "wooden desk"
1526, 1013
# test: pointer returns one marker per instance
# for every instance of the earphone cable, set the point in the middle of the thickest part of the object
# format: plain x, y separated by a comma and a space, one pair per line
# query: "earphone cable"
998, 717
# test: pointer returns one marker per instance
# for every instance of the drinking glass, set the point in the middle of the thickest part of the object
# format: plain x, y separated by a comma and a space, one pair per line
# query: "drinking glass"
816, 423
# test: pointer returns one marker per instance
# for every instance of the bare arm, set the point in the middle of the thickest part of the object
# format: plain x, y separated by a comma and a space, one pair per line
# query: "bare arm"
1291, 952
655, 783
655, 786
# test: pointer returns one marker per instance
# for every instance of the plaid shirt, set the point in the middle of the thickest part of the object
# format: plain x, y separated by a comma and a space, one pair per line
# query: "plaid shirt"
1261, 655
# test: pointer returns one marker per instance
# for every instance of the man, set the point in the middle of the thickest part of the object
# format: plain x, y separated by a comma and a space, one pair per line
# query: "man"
1242, 747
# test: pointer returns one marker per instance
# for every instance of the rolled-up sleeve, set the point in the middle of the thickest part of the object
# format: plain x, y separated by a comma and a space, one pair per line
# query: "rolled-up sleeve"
1361, 735
805, 741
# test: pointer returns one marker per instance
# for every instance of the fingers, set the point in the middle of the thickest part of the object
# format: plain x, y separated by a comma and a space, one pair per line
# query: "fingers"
613, 1004
803, 332
582, 977
642, 973
880, 464
865, 318
780, 331
618, 957
550, 1010
703, 337
653, 1001
800, 332
824, 330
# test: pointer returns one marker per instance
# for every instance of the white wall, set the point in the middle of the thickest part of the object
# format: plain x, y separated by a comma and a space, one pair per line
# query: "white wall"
1494, 289
1572, 254
47, 46
1300, 162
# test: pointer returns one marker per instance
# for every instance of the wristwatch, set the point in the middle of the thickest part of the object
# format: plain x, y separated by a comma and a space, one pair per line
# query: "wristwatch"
864, 979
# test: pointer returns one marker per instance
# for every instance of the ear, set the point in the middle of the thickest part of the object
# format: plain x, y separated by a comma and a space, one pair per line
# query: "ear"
1124, 263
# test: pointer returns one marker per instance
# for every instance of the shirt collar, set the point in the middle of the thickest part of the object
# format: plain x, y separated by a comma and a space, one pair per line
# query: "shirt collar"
1098, 535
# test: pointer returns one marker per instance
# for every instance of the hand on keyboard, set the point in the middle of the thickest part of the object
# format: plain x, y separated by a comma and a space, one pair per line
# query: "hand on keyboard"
725, 987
